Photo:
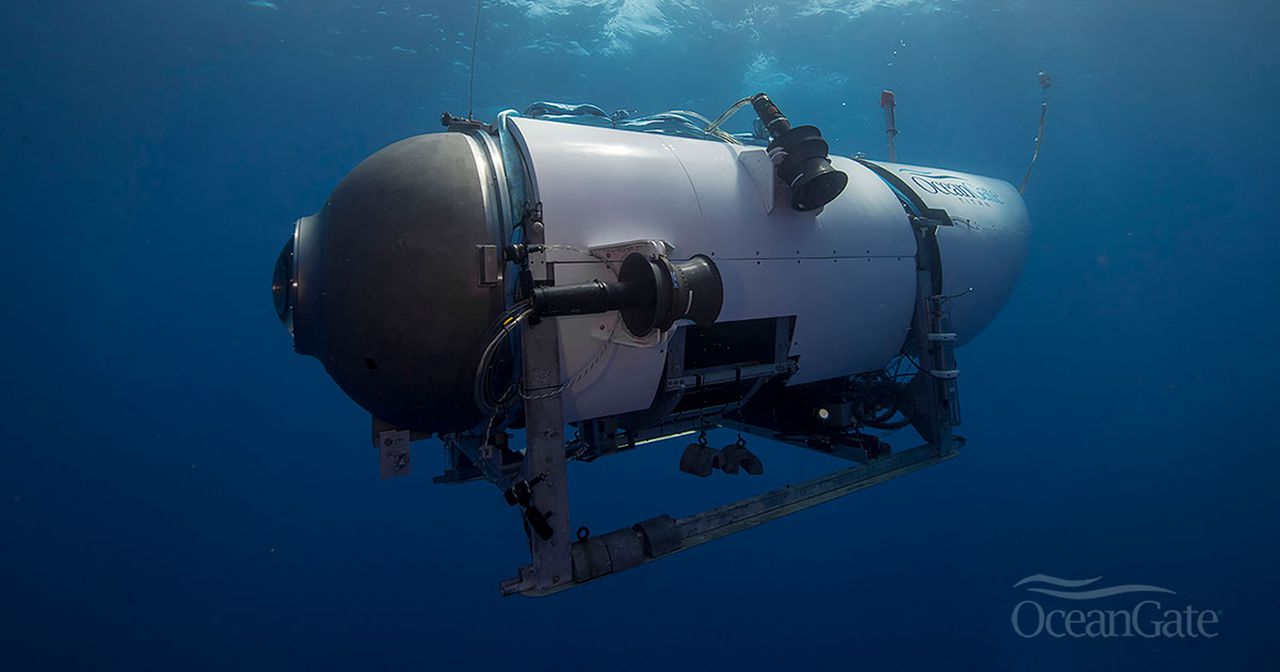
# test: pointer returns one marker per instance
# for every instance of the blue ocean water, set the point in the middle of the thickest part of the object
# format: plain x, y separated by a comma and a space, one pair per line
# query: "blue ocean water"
179, 491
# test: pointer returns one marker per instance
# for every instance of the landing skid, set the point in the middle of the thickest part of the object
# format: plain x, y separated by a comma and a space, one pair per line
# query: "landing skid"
597, 557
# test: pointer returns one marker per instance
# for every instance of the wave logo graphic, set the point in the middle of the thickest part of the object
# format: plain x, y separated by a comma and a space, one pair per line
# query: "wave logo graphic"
1145, 617
928, 173
1091, 594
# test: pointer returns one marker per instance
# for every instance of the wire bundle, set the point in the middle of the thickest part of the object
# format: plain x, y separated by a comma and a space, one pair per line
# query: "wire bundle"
682, 123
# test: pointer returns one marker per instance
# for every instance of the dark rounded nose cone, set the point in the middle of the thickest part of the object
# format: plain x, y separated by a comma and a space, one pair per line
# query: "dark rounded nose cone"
387, 285
282, 284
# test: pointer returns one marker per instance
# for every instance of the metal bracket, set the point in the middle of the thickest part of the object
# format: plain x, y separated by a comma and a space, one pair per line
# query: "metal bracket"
759, 165
613, 254
393, 453
489, 265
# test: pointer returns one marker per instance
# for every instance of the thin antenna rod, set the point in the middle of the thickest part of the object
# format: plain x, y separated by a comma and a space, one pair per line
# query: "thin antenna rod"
1046, 82
888, 102
471, 86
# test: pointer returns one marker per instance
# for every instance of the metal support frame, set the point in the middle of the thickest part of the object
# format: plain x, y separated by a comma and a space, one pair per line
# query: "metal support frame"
560, 563
470, 459
934, 386
544, 471
597, 557
854, 447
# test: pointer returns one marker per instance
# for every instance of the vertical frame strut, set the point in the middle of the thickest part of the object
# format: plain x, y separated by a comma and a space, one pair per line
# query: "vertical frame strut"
544, 472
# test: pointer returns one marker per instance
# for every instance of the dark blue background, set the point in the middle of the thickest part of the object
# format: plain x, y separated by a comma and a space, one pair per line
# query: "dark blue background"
179, 491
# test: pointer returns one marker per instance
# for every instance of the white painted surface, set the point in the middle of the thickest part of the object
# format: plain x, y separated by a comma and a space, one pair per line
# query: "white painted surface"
847, 272
985, 250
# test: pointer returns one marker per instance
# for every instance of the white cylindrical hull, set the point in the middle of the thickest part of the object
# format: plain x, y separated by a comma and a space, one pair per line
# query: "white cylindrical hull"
846, 273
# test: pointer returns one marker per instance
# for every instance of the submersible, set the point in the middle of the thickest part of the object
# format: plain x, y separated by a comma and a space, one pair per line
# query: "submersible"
533, 273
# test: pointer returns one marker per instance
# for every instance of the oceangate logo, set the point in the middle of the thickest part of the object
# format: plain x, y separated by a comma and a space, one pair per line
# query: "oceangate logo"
1146, 616
952, 185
